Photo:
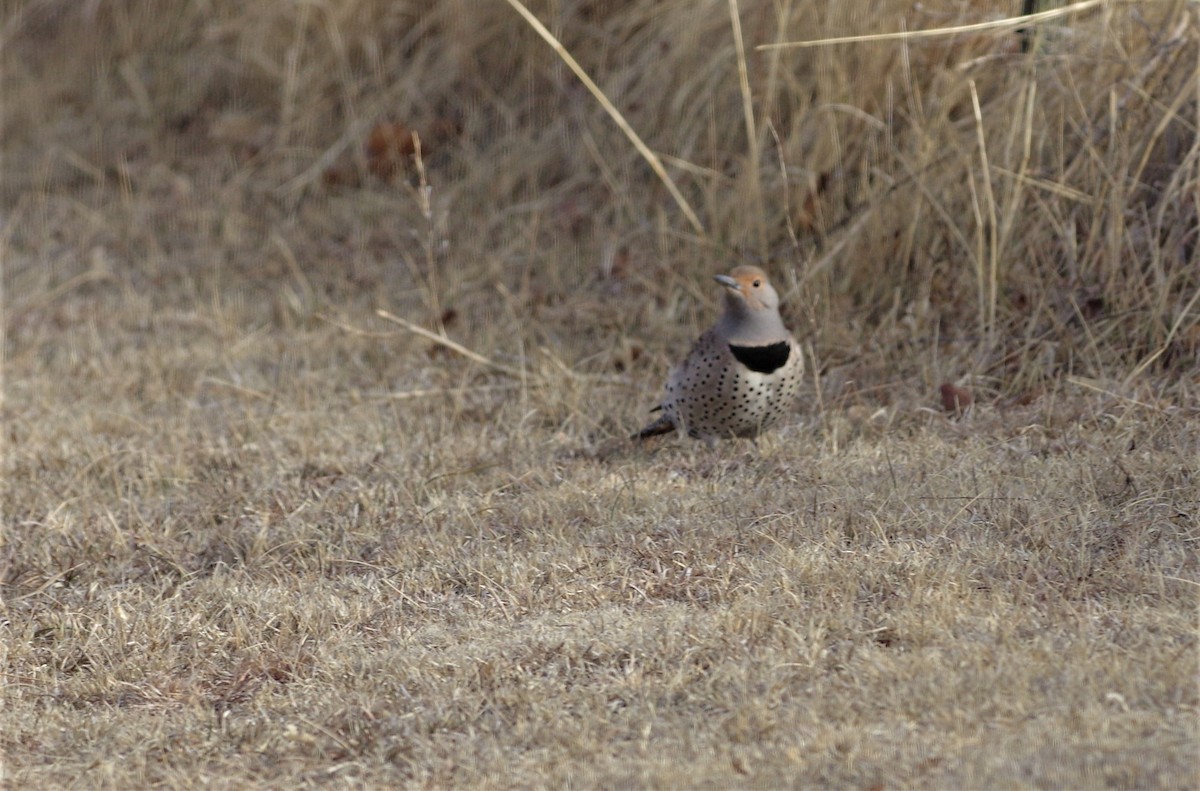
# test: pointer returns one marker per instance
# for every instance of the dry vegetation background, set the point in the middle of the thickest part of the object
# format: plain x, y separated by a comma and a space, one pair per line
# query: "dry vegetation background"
255, 534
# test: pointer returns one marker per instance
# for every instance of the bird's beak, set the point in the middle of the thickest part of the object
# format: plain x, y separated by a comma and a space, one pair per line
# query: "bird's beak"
728, 282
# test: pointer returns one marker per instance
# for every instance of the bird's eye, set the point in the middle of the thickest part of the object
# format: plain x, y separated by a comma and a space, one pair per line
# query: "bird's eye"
757, 283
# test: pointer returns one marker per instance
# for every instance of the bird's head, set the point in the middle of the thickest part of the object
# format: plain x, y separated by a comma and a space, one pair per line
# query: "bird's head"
747, 291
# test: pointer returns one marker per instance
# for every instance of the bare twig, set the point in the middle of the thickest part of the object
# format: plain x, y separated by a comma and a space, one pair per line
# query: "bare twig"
451, 345
904, 35
651, 158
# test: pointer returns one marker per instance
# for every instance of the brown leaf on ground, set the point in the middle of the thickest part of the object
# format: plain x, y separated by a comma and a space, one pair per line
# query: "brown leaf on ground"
955, 400
390, 147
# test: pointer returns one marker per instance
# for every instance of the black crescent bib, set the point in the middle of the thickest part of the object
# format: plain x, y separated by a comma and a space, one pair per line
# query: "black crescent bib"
762, 359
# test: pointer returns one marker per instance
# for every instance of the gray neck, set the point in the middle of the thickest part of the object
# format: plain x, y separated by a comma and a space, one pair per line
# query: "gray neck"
751, 328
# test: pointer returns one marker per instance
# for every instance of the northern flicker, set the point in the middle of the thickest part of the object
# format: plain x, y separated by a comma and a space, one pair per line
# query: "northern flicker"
740, 376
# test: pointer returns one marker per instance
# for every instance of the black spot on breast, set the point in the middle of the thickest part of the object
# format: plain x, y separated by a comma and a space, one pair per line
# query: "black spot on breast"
762, 359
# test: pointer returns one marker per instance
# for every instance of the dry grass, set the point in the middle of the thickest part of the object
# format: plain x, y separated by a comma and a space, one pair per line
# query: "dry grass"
256, 534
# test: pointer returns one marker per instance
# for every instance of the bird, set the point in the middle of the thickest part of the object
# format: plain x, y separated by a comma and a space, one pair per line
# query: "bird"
741, 375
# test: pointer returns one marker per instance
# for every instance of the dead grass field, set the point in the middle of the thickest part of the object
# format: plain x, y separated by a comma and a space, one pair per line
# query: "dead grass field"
257, 535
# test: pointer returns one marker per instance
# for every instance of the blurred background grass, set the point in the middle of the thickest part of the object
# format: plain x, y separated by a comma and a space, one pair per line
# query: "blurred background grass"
936, 208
